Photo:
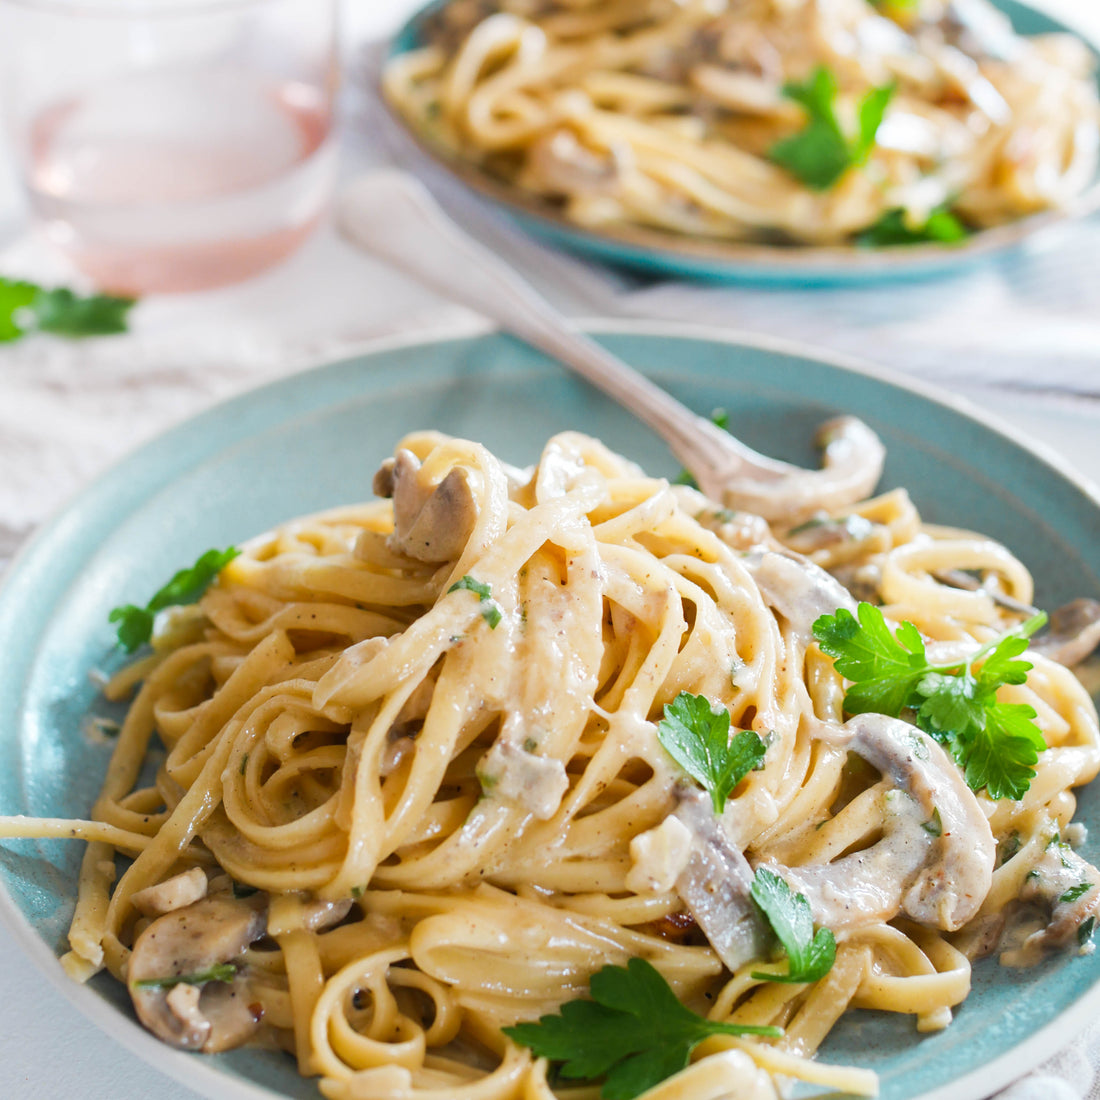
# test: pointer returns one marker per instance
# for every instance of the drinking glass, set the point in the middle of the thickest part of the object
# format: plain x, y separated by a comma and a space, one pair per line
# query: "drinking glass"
170, 145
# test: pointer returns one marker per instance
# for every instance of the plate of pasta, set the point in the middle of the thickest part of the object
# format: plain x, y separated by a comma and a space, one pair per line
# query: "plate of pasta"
411, 727
771, 140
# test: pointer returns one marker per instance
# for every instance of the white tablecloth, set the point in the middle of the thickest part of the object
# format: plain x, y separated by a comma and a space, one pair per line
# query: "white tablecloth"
1021, 335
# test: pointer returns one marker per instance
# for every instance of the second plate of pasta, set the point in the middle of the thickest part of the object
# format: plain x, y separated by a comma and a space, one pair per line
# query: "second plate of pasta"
762, 140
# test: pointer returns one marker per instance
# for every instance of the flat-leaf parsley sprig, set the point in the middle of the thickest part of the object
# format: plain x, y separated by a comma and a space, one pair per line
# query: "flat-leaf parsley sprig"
135, 624
697, 736
996, 744
634, 1032
810, 954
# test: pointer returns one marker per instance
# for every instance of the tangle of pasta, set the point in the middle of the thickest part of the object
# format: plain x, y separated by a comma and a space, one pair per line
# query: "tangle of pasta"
399, 767
666, 114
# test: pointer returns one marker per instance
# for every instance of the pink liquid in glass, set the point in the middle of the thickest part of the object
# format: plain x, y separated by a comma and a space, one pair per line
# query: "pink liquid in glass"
182, 179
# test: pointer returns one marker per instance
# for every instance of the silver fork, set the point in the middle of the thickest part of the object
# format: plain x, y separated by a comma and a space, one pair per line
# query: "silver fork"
393, 216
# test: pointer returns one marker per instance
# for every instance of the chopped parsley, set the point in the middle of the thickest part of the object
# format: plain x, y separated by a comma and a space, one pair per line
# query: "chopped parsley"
934, 825
490, 609
1076, 892
220, 972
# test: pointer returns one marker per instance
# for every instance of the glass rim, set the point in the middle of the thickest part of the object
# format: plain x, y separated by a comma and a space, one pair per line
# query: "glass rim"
134, 9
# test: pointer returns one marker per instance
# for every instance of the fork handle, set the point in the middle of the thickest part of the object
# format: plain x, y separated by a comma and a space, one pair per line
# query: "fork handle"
393, 216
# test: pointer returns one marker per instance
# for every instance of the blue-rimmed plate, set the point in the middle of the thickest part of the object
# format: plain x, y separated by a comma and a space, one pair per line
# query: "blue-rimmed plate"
313, 440
662, 253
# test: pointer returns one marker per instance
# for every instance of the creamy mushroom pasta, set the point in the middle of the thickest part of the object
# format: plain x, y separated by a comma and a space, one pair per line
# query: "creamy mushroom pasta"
783, 121
448, 778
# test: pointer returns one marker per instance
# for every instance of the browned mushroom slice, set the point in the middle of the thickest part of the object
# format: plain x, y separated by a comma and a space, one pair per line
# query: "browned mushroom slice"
558, 163
181, 978
934, 862
432, 523
716, 885
1074, 633
795, 588
1067, 889
173, 893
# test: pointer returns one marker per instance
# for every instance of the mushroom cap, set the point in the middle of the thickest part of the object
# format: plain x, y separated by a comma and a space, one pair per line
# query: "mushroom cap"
190, 941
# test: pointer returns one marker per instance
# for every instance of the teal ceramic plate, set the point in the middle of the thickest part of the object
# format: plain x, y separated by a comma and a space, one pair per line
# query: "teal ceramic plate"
314, 439
661, 253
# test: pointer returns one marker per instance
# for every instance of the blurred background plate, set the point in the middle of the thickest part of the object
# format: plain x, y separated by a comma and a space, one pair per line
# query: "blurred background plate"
314, 439
662, 253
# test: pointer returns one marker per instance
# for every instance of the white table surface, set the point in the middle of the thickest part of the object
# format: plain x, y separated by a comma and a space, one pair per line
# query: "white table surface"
187, 351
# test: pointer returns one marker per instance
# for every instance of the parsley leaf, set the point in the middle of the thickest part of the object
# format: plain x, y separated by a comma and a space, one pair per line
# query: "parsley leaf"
25, 307
219, 972
810, 955
1084, 932
135, 624
697, 736
994, 743
490, 609
885, 668
896, 228
1075, 892
15, 298
634, 1032
821, 152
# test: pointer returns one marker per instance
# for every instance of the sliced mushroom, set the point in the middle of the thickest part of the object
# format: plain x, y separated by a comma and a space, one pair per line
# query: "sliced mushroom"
297, 912
741, 530
558, 163
318, 914
1074, 633
826, 532
797, 589
174, 893
432, 523
851, 466
1068, 888
862, 580
178, 950
935, 860
535, 783
716, 885
959, 578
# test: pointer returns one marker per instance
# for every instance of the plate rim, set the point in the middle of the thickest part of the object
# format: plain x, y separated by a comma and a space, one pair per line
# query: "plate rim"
213, 1082
714, 259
